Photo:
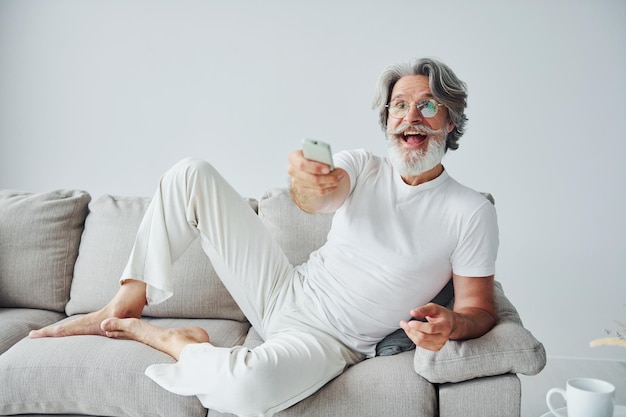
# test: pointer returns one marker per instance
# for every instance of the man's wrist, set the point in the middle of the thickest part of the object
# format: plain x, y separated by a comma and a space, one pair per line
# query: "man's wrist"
471, 323
300, 200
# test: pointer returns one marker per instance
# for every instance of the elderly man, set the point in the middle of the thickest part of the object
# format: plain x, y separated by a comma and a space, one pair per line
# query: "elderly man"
401, 228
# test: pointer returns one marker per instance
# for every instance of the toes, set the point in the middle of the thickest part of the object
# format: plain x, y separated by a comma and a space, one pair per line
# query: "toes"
35, 334
108, 325
119, 328
45, 332
111, 329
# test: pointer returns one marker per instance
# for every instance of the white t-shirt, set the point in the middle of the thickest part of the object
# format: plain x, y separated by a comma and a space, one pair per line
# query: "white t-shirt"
392, 247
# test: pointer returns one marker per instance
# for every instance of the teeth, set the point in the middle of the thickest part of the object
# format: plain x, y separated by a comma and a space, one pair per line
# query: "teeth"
413, 134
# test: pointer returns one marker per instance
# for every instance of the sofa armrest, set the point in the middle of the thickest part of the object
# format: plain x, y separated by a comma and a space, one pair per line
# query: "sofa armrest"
494, 396
507, 348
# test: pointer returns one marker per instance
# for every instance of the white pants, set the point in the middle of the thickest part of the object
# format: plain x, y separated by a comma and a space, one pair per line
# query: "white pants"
299, 355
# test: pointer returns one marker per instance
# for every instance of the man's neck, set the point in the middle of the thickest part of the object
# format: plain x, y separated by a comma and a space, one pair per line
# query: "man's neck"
426, 176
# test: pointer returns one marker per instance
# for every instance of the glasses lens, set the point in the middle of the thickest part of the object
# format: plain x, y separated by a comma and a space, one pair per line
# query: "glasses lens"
398, 109
429, 108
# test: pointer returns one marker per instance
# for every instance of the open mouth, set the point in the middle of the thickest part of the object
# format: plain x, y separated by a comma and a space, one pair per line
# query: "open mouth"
413, 138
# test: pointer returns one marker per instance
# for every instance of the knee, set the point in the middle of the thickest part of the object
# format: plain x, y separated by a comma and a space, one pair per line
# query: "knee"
189, 170
193, 165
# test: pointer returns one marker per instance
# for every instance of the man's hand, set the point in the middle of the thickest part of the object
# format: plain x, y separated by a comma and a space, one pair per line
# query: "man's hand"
435, 332
314, 187
474, 315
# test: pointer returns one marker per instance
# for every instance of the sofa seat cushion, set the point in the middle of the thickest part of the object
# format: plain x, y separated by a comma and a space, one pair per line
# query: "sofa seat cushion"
94, 375
384, 386
39, 238
381, 386
109, 235
16, 323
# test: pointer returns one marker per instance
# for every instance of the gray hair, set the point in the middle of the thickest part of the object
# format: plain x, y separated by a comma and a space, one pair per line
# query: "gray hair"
446, 88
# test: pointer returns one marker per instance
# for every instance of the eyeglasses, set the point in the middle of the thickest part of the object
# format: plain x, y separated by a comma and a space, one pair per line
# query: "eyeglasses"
400, 108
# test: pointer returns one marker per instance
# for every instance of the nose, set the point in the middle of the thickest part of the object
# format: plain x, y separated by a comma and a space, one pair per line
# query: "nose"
413, 116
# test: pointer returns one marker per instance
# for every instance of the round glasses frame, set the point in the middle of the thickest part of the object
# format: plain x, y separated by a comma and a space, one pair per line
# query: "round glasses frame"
427, 108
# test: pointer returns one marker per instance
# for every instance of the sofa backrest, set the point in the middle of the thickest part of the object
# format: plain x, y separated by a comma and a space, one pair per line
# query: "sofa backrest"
109, 234
39, 252
39, 238
110, 230
108, 237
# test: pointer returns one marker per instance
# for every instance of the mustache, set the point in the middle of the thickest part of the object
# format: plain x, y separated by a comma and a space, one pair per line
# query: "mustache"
418, 128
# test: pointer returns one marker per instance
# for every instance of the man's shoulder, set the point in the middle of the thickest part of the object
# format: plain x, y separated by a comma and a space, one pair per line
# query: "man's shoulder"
360, 153
358, 159
462, 194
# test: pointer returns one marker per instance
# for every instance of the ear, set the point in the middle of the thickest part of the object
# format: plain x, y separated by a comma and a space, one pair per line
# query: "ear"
450, 127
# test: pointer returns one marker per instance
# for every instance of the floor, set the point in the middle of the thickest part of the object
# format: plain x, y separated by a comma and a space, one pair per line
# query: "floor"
559, 370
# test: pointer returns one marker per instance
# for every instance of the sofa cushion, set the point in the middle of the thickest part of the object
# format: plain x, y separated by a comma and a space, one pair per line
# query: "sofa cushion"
507, 348
382, 386
107, 241
298, 233
39, 238
95, 375
16, 323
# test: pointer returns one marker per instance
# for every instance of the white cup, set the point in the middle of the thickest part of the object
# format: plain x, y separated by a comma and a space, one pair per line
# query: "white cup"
585, 397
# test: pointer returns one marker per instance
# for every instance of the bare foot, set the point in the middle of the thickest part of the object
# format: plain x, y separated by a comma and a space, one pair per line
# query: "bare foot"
171, 341
128, 302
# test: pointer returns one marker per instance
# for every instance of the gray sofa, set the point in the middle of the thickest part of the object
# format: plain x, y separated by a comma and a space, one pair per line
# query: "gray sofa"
61, 255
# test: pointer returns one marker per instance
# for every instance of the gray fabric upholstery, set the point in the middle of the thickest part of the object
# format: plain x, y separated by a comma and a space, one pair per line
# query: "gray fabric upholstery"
384, 386
496, 396
98, 376
16, 323
39, 238
508, 347
356, 393
109, 235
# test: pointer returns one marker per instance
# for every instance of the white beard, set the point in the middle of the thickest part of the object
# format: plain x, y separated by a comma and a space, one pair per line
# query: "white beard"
415, 162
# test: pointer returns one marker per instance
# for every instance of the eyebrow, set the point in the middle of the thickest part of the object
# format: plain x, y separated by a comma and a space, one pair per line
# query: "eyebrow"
402, 96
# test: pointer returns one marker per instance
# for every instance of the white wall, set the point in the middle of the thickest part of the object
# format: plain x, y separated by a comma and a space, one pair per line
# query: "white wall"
106, 95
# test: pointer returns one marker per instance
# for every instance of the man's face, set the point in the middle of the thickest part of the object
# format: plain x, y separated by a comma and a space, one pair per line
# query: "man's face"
413, 137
